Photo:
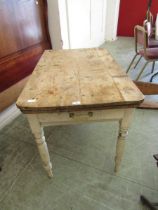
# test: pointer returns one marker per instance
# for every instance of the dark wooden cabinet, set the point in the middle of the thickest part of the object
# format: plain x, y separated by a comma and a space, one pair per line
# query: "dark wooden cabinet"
23, 38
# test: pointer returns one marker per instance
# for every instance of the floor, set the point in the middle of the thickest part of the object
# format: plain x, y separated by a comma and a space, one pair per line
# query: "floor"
83, 162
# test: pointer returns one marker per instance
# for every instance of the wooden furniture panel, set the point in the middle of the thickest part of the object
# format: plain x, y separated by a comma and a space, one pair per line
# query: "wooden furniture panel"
78, 86
8, 96
23, 36
72, 79
23, 26
19, 65
148, 89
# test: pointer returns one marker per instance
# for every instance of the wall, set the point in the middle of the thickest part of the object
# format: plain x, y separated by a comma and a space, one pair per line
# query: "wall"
73, 32
112, 19
54, 24
133, 12
64, 23
82, 23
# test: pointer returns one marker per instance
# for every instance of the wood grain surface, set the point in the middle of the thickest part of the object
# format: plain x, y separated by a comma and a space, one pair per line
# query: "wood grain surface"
10, 95
23, 25
147, 88
23, 38
67, 80
20, 65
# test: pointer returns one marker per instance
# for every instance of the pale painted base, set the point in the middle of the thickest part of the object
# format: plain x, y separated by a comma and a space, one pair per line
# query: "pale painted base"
8, 115
38, 121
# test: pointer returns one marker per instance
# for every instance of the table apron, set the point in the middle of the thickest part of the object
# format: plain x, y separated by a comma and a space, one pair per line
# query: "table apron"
78, 117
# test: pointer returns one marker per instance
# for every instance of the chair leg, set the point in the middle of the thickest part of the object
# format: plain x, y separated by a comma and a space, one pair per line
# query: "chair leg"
153, 77
138, 62
131, 63
153, 66
142, 70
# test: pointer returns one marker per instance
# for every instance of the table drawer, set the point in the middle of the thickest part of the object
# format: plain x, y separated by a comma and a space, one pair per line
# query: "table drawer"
80, 116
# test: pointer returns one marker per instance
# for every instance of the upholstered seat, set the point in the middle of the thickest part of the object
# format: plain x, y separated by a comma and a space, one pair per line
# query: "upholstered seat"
145, 46
151, 53
152, 43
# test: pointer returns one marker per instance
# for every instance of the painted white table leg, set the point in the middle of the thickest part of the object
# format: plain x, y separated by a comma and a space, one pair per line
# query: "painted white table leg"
123, 133
38, 132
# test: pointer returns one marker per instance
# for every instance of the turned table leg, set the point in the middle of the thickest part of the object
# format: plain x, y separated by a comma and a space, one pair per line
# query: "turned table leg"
123, 133
38, 132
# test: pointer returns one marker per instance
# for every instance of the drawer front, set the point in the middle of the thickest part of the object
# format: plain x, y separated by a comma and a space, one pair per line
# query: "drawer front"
80, 116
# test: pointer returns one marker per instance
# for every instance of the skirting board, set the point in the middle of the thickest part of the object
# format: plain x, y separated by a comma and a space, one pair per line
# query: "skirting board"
8, 115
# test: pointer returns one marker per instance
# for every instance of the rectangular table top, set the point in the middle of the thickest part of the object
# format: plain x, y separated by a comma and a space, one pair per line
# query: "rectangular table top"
67, 80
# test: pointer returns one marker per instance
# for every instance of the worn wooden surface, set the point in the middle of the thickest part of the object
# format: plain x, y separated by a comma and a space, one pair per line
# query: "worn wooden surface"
147, 88
68, 80
148, 105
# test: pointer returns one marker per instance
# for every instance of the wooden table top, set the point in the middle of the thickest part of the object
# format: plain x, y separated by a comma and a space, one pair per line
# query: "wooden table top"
67, 80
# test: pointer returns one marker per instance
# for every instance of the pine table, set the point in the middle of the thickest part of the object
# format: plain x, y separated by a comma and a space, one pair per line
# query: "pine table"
78, 86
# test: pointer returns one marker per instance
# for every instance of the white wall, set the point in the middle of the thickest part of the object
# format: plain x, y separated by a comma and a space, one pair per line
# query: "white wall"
54, 24
112, 19
8, 115
82, 23
64, 22
62, 26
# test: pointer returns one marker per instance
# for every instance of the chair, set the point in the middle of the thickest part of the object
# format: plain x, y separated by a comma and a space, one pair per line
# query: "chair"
151, 41
150, 54
149, 27
149, 17
148, 24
